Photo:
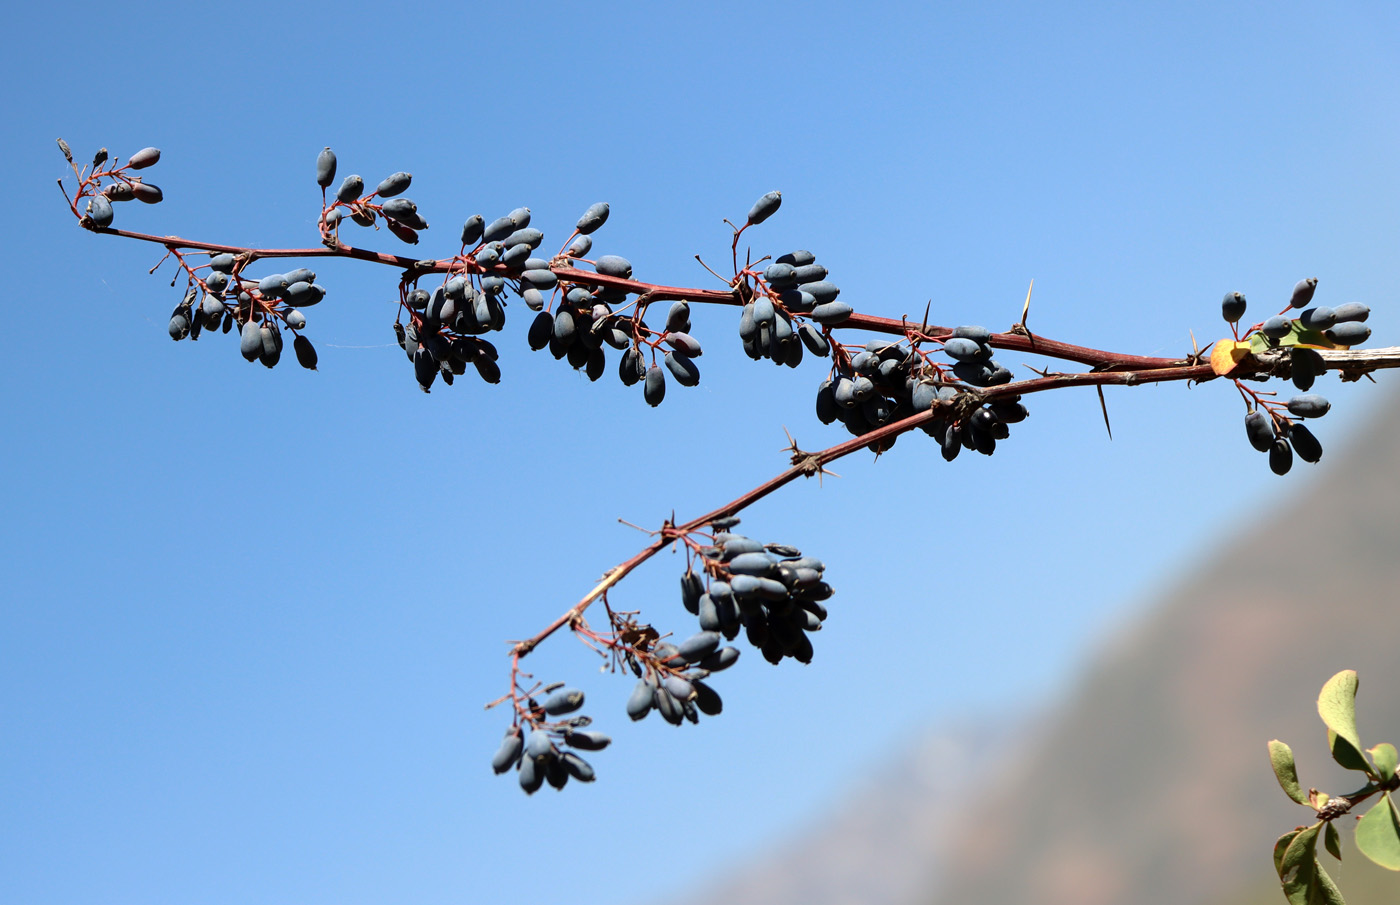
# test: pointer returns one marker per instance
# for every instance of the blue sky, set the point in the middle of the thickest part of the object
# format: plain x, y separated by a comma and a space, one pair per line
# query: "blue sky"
252, 615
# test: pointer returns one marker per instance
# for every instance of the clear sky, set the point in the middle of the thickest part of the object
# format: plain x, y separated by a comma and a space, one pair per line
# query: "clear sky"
251, 617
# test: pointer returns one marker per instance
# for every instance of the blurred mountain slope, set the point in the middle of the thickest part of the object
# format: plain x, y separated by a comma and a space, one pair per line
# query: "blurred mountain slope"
1151, 785
877, 845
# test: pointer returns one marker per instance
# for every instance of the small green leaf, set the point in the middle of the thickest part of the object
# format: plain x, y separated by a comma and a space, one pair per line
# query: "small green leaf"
1259, 343
1298, 869
1302, 336
1324, 891
1385, 758
1281, 846
1333, 840
1378, 834
1337, 707
1304, 880
1281, 756
1344, 754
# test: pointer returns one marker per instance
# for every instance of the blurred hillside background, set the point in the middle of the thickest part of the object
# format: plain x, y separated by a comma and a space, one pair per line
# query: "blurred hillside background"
1148, 781
251, 617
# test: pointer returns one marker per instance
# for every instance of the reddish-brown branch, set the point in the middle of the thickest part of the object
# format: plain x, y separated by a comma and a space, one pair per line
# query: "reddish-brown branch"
1020, 342
340, 251
1096, 358
808, 464
652, 291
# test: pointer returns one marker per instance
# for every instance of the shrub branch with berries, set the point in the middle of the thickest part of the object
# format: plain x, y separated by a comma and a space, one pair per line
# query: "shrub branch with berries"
911, 376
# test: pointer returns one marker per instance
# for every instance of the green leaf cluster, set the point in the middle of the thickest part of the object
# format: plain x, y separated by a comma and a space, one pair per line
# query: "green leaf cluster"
1304, 880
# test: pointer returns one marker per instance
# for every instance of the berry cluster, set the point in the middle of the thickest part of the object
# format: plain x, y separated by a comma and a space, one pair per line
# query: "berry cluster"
120, 185
260, 308
1271, 431
537, 756
400, 214
218, 296
579, 320
771, 591
770, 325
442, 332
889, 380
971, 351
1274, 427
670, 678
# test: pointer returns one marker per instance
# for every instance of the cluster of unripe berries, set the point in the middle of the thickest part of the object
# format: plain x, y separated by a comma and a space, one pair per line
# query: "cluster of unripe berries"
538, 755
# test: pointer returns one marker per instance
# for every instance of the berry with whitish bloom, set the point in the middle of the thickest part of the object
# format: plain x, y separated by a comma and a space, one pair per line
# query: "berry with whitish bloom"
144, 158
1233, 307
325, 168
393, 185
765, 207
1303, 292
594, 217
351, 188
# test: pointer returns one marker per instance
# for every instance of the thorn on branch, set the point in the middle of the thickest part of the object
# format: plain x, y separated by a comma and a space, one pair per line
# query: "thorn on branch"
808, 463
1021, 327
1104, 405
1351, 375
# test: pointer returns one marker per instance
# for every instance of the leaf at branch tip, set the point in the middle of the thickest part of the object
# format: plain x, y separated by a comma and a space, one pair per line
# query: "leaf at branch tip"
1281, 756
1385, 758
1378, 834
1227, 355
1337, 707
1333, 840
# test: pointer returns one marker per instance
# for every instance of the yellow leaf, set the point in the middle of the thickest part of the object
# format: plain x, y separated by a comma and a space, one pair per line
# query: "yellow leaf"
1227, 355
